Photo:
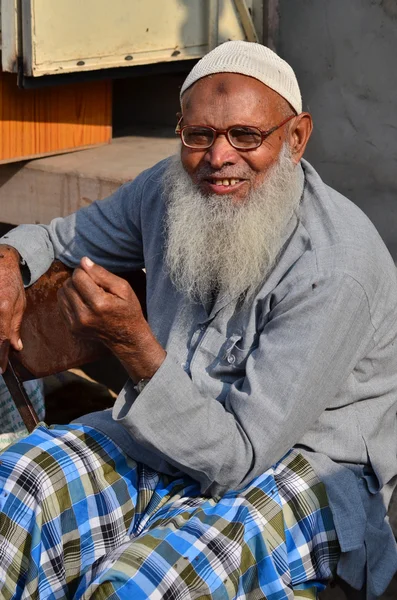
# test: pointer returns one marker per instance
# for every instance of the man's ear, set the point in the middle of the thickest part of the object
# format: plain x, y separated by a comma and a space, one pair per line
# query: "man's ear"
299, 134
179, 116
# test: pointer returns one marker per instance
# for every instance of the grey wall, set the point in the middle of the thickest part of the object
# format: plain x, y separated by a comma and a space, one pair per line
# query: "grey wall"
345, 55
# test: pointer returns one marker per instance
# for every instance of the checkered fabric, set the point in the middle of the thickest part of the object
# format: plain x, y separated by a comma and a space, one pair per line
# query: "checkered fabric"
80, 520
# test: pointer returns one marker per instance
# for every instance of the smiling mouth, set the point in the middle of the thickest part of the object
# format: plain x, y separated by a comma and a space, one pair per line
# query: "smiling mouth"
225, 182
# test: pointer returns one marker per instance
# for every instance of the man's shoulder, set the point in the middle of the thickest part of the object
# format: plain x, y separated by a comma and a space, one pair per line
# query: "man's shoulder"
327, 211
339, 228
336, 238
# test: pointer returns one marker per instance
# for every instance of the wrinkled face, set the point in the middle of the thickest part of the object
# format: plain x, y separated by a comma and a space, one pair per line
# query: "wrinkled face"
221, 101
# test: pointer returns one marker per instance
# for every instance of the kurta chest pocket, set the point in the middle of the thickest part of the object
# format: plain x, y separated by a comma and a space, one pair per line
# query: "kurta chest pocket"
226, 357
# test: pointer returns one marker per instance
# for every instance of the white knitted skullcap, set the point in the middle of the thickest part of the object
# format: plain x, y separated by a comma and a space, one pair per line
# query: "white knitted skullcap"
254, 60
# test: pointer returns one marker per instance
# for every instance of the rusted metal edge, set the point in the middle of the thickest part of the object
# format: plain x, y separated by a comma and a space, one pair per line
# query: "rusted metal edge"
246, 21
213, 24
271, 23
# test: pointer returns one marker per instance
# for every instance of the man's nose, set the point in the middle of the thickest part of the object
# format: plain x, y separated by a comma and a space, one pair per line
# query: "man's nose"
221, 153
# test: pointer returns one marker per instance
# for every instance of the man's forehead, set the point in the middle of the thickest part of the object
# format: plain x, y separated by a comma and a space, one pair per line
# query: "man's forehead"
221, 85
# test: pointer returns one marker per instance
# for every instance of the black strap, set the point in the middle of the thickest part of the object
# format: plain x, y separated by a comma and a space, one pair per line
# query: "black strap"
20, 397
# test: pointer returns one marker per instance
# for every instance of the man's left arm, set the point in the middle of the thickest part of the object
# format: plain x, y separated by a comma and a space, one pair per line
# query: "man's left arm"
318, 329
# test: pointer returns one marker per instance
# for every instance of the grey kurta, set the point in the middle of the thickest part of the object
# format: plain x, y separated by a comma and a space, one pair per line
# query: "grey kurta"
311, 362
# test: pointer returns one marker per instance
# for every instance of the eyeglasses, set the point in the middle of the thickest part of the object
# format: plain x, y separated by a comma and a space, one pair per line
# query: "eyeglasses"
241, 137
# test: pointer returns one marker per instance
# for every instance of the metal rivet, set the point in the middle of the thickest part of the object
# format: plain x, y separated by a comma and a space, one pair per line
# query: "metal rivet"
128, 57
81, 63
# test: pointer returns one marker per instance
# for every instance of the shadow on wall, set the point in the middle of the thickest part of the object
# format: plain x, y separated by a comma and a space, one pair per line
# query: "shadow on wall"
344, 58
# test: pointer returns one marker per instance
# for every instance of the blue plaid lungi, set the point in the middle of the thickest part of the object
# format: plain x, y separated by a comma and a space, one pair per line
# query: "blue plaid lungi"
79, 519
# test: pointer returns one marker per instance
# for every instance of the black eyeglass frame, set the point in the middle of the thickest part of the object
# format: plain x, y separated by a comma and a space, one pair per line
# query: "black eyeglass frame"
264, 134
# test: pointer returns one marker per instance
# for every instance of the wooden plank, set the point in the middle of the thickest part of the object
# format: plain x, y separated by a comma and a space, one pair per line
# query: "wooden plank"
7, 161
52, 119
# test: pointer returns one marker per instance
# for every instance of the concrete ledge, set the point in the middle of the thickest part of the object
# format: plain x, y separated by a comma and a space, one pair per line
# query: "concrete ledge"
41, 189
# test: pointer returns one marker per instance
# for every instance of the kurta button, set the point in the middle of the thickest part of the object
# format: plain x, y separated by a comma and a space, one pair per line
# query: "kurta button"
231, 359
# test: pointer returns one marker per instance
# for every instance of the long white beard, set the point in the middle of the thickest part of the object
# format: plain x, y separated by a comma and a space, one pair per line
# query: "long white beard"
215, 245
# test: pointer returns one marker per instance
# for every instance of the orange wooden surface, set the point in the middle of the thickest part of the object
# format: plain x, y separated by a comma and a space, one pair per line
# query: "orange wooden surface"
52, 119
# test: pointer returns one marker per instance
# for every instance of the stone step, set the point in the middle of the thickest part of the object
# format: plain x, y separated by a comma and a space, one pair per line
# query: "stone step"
41, 189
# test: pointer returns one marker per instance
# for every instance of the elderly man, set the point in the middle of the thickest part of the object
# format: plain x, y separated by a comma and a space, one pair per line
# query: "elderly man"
252, 452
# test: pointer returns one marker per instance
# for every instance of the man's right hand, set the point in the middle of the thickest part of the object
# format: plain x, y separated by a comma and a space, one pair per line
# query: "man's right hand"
12, 302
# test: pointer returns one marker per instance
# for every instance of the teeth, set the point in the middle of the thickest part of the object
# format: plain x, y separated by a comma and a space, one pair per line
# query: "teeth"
226, 181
